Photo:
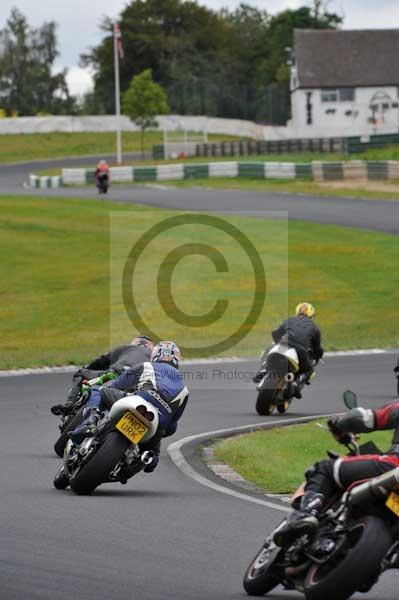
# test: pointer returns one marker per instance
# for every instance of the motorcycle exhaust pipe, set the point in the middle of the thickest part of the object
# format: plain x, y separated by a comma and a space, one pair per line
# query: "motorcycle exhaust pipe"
147, 457
376, 487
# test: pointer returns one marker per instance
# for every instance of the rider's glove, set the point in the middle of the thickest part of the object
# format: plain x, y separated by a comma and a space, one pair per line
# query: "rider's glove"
342, 437
149, 468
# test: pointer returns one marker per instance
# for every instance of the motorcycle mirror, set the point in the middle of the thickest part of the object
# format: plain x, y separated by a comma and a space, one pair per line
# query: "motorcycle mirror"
350, 399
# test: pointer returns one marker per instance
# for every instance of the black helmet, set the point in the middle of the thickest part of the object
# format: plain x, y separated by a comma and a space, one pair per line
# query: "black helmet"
143, 340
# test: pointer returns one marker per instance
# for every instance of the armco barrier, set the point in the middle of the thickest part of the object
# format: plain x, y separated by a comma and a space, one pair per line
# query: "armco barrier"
316, 171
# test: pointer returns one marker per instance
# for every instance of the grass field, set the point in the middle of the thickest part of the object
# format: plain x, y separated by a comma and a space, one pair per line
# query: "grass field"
22, 147
291, 451
56, 308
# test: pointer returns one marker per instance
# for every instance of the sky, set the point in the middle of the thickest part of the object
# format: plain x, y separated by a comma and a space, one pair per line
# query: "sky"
78, 22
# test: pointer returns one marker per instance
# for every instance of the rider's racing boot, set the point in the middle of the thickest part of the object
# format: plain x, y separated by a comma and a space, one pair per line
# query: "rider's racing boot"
88, 427
66, 408
296, 390
301, 522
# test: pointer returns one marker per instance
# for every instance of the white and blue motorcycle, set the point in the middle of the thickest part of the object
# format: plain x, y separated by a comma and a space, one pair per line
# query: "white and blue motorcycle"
114, 450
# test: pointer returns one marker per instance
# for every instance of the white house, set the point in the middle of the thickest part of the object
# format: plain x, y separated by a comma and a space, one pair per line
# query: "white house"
345, 82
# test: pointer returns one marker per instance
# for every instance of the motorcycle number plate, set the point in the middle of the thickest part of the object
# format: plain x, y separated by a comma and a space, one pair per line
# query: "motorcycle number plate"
131, 427
392, 503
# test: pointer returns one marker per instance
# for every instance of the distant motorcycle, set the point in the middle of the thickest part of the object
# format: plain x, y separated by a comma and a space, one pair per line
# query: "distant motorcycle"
102, 182
113, 451
74, 417
357, 539
277, 378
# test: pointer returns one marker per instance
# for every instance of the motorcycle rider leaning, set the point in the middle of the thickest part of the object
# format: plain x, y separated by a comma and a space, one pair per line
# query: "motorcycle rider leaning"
117, 360
300, 332
326, 476
157, 381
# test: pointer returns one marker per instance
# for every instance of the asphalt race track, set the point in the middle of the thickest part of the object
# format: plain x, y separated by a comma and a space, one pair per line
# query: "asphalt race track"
162, 536
364, 214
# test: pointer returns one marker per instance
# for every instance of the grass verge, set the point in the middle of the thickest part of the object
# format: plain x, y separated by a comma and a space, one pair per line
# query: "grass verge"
290, 451
36, 146
297, 186
55, 304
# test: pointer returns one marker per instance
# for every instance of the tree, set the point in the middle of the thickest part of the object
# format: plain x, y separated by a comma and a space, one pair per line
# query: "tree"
27, 55
173, 38
143, 101
216, 63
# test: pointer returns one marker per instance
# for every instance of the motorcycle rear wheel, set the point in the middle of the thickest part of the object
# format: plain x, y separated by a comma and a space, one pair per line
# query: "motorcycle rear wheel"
267, 397
366, 546
98, 467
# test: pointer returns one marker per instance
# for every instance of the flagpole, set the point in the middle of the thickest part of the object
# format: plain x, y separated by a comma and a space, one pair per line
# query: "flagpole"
117, 98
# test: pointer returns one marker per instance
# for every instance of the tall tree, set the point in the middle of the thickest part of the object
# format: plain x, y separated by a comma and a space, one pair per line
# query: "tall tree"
27, 55
143, 101
216, 63
171, 37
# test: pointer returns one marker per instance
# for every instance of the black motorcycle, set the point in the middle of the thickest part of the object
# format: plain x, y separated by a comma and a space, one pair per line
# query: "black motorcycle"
102, 183
74, 416
279, 380
357, 539
396, 371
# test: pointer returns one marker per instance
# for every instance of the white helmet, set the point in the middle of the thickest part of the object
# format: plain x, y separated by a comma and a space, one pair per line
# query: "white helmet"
167, 352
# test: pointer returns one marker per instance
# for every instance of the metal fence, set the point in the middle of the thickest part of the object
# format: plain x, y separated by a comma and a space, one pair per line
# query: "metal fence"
254, 147
361, 144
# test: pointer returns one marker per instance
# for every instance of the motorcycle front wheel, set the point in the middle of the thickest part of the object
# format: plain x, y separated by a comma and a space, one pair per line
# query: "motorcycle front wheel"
98, 467
70, 425
355, 568
260, 577
282, 408
61, 480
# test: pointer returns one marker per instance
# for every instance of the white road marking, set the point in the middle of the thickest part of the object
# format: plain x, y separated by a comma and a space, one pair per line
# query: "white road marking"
199, 361
175, 452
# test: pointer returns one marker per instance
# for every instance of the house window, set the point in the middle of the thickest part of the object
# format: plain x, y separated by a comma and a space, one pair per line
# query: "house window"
346, 94
338, 95
329, 95
330, 111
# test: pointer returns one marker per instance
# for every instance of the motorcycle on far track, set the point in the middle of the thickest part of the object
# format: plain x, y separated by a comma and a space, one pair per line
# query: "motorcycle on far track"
113, 451
357, 540
277, 378
102, 182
